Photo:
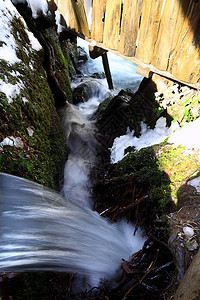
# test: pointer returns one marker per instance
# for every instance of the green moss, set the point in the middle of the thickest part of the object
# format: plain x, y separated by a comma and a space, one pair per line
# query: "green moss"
178, 164
103, 105
62, 62
43, 155
144, 166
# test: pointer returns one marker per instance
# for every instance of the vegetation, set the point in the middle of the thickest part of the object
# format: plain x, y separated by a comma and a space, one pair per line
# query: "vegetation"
44, 151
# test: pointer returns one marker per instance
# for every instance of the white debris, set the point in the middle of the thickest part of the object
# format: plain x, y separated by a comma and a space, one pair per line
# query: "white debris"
188, 231
12, 141
195, 183
30, 131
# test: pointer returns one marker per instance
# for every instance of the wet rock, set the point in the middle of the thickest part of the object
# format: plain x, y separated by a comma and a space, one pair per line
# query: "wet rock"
189, 286
188, 231
87, 89
79, 95
126, 110
98, 75
81, 54
180, 101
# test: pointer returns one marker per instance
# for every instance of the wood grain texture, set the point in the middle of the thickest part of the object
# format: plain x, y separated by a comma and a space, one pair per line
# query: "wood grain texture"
185, 62
171, 22
150, 22
132, 10
98, 15
112, 23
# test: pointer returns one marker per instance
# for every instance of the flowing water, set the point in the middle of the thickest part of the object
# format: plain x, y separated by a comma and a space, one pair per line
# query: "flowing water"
42, 230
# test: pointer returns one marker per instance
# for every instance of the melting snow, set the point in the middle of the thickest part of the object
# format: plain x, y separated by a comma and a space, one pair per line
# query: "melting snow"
11, 90
36, 6
7, 49
148, 137
34, 42
12, 141
186, 136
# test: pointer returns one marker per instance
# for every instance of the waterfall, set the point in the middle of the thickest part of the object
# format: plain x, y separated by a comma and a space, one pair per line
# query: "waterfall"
42, 230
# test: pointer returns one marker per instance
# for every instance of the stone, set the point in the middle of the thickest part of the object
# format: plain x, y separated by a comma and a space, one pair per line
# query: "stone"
188, 231
189, 288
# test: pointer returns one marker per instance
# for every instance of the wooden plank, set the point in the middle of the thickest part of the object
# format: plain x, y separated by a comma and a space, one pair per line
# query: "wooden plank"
150, 21
98, 15
185, 62
150, 66
68, 13
172, 21
112, 23
145, 72
132, 10
79, 11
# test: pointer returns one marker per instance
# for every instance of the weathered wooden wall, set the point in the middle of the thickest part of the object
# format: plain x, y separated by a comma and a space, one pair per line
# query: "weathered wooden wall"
164, 34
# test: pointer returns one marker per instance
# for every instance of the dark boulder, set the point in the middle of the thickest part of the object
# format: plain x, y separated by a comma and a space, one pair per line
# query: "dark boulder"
126, 110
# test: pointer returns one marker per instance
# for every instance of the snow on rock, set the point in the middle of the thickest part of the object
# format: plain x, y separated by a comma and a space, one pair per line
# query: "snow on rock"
8, 44
195, 183
59, 26
10, 90
34, 42
12, 141
36, 6
187, 135
148, 138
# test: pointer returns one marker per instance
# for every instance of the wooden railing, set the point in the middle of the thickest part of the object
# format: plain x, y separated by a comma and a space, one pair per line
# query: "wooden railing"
162, 35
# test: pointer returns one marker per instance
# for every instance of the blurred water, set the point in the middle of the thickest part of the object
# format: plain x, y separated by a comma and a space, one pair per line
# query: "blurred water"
41, 230
123, 71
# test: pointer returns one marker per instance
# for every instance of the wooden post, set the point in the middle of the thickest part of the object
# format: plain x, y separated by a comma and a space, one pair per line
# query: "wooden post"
95, 52
107, 70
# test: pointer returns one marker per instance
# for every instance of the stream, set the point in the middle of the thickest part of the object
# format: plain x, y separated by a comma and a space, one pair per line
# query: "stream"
41, 230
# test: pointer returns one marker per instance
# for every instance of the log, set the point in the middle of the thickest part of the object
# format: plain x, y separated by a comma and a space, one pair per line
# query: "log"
189, 288
68, 13
145, 72
80, 15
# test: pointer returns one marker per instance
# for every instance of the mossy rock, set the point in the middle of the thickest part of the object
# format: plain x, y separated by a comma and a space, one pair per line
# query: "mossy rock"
44, 152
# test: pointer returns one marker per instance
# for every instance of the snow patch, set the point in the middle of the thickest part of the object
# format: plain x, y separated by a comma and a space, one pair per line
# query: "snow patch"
148, 138
36, 6
24, 100
59, 26
7, 49
11, 141
195, 183
30, 131
187, 135
34, 42
10, 90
